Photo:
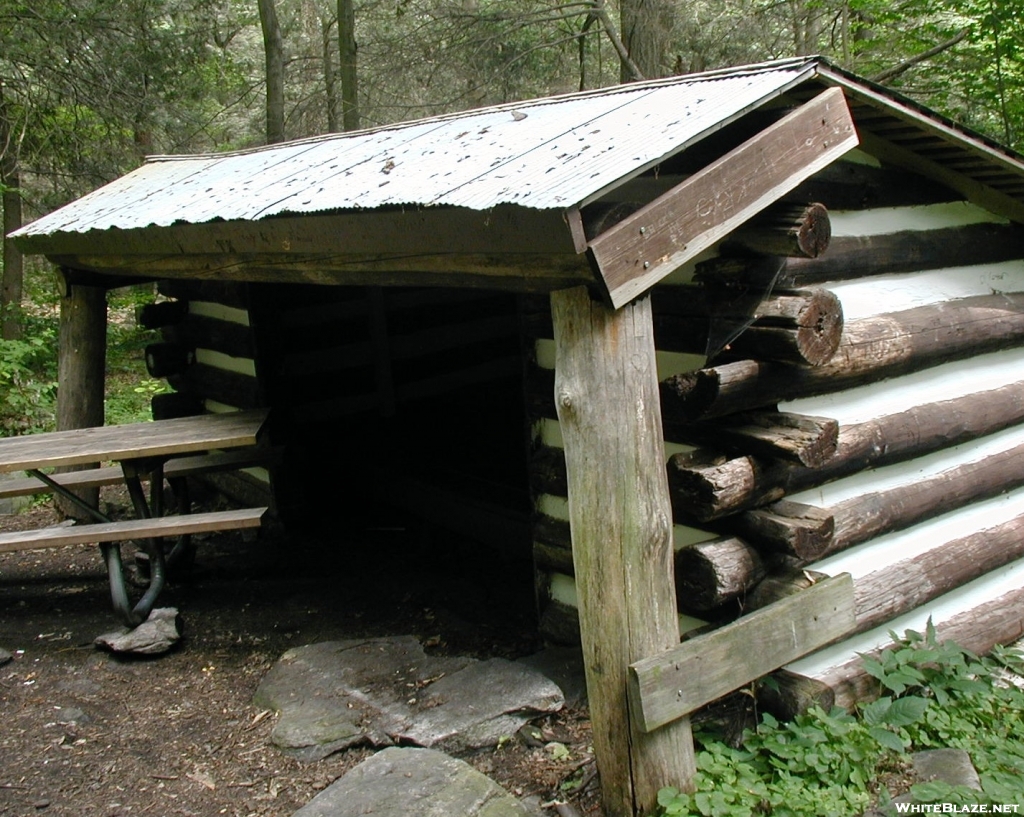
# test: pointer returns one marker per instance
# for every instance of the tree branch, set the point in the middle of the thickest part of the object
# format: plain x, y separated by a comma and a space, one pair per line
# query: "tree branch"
896, 70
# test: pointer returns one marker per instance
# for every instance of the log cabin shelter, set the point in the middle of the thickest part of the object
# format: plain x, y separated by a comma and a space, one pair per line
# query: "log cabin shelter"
693, 344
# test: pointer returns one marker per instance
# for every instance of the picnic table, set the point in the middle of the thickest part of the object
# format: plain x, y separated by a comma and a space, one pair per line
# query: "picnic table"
154, 451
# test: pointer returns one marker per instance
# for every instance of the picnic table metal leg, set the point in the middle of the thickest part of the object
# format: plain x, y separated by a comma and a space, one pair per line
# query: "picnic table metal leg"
70, 496
182, 555
153, 547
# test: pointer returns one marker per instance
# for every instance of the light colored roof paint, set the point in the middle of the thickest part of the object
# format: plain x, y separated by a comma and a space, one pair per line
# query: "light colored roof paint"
546, 154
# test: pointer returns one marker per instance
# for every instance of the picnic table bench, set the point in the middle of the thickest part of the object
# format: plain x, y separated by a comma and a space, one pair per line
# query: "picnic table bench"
163, 449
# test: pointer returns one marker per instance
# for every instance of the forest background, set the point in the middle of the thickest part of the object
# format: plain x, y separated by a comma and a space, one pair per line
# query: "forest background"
88, 88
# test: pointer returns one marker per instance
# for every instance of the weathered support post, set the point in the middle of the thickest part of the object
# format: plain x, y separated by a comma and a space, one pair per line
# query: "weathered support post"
606, 392
81, 367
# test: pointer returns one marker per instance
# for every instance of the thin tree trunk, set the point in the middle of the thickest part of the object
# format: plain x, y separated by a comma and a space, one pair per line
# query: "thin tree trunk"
273, 48
348, 48
330, 73
13, 264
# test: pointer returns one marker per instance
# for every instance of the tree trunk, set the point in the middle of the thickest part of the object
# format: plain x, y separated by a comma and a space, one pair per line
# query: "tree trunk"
273, 49
348, 49
13, 265
81, 368
330, 74
646, 26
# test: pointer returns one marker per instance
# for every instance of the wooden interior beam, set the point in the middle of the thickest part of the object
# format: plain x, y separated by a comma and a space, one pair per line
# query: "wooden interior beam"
505, 229
513, 272
646, 246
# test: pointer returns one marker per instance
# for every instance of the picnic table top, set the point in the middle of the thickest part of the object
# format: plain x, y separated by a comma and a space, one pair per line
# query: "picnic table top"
160, 438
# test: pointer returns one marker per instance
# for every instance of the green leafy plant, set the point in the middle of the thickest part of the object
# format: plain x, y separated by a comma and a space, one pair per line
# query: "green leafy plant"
930, 695
28, 383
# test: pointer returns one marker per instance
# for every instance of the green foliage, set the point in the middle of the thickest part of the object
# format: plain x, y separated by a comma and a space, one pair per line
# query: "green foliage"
934, 695
28, 381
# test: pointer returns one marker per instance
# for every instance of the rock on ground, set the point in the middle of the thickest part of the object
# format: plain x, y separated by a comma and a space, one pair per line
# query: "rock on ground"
156, 635
422, 782
387, 690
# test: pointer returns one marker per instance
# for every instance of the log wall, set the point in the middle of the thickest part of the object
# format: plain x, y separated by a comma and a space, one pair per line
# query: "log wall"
920, 498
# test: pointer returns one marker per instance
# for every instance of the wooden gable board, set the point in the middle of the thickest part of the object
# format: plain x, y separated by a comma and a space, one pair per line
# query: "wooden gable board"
639, 251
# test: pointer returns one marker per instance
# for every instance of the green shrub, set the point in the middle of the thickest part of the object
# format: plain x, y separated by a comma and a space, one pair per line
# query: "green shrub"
931, 695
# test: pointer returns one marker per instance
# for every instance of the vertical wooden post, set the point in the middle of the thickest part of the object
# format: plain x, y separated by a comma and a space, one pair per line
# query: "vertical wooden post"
606, 393
81, 366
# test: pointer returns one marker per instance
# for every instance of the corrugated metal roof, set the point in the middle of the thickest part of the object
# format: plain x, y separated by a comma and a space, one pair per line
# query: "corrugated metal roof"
546, 154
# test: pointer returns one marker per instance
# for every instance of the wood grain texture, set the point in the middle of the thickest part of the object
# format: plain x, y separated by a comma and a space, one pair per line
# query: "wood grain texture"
621, 521
710, 490
131, 529
138, 440
871, 349
660, 237
703, 669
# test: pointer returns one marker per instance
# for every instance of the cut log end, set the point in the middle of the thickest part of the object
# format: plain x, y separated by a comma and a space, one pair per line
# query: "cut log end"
711, 574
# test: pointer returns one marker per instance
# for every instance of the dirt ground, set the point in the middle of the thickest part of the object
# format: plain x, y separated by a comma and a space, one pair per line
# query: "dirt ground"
83, 732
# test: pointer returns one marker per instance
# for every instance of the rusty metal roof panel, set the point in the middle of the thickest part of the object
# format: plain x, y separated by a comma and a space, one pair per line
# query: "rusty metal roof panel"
545, 154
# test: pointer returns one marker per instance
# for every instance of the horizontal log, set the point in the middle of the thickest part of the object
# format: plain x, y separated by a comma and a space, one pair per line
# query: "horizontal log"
808, 532
517, 272
790, 528
198, 331
782, 581
799, 326
799, 231
896, 589
228, 293
908, 251
785, 695
163, 359
207, 382
977, 629
727, 486
869, 515
709, 574
871, 349
800, 438
162, 313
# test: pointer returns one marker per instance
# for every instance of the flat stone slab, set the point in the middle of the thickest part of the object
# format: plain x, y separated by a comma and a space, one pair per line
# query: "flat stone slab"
383, 691
402, 782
